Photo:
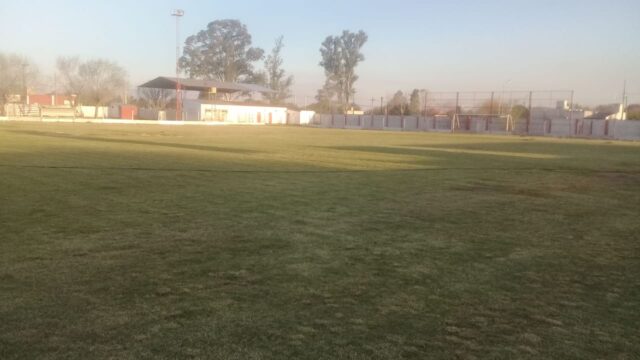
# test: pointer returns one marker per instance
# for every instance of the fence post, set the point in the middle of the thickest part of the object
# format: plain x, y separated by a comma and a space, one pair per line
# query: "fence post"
386, 116
426, 111
488, 120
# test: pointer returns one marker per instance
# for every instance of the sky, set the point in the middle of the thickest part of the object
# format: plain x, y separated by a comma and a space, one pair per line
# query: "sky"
590, 46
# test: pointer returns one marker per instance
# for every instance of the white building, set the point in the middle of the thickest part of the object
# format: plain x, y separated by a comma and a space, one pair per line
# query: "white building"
233, 112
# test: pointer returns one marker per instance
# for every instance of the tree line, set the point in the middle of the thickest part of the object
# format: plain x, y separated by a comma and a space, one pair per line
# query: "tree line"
222, 51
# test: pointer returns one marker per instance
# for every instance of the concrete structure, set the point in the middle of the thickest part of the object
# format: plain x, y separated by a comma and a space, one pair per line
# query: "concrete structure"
300, 117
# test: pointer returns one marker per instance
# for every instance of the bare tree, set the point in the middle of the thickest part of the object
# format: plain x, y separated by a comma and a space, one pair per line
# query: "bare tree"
67, 68
17, 75
95, 82
157, 99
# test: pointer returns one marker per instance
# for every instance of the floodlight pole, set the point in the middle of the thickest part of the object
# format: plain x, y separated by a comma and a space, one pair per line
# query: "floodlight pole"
178, 14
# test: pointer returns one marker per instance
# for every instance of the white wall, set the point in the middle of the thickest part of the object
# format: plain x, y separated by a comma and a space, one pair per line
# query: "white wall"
234, 114
90, 111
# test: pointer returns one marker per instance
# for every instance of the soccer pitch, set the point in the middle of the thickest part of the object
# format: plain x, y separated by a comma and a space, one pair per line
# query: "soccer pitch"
293, 243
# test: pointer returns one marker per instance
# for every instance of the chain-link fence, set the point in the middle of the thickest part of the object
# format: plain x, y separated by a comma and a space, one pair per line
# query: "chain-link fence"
549, 112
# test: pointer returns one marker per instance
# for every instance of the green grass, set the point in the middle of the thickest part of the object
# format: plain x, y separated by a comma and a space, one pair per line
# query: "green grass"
126, 242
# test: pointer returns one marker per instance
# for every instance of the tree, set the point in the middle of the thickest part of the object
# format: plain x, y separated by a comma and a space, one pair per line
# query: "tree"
519, 112
67, 68
633, 112
156, 99
323, 102
491, 107
414, 103
398, 104
17, 74
95, 82
221, 52
340, 57
275, 76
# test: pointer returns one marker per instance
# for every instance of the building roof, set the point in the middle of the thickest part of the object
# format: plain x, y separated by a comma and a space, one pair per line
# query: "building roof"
169, 83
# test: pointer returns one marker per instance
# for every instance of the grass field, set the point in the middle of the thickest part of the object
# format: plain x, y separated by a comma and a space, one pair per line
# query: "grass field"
130, 242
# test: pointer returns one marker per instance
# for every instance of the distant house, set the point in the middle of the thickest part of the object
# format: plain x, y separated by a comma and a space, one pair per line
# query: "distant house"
51, 100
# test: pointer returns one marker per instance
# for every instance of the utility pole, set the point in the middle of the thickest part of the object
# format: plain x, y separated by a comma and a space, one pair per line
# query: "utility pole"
373, 101
178, 14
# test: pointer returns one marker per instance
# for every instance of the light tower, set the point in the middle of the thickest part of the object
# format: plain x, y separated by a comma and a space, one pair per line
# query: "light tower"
178, 14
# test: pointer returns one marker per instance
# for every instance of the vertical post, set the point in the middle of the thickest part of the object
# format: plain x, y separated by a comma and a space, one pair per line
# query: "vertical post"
178, 14
386, 113
571, 113
530, 106
425, 112
487, 122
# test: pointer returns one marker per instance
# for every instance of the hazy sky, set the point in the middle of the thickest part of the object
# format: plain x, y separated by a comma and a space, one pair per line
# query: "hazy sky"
590, 46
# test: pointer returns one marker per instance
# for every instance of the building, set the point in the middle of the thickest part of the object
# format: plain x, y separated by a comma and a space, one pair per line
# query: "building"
51, 100
233, 112
214, 102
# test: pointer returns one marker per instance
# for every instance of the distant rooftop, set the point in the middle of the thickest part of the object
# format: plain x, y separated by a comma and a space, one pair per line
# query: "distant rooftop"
169, 83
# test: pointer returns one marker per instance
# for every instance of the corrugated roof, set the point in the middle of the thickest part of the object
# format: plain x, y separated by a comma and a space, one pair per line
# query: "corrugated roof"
169, 83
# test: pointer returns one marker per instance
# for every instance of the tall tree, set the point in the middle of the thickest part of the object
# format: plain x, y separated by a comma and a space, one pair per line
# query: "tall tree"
340, 58
221, 52
96, 82
17, 74
414, 102
275, 76
68, 77
398, 104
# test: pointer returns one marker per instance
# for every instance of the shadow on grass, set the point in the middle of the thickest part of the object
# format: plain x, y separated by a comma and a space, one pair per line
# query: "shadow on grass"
538, 145
422, 151
138, 142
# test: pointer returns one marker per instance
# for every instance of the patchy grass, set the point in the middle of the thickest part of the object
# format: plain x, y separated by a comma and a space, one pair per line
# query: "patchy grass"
260, 243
